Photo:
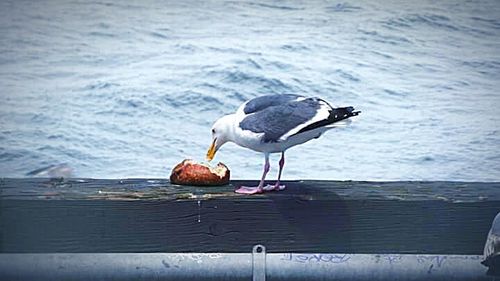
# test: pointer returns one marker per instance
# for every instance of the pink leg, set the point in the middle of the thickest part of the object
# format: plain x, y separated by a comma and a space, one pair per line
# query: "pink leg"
277, 186
260, 187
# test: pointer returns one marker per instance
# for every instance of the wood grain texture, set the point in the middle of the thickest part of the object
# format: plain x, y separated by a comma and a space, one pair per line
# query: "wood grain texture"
142, 216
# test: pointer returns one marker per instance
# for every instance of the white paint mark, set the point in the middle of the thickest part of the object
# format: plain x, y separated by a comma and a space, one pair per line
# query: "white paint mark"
199, 214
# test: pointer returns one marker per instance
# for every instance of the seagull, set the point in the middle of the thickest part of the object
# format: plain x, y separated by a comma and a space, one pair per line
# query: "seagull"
273, 124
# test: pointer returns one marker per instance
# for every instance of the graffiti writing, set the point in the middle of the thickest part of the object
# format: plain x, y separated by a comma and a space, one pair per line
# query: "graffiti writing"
317, 258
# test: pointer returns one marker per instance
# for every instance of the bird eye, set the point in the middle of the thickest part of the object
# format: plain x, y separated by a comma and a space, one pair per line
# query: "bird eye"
213, 131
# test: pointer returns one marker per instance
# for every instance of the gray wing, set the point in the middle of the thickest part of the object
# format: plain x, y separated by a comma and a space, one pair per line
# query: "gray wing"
276, 121
263, 102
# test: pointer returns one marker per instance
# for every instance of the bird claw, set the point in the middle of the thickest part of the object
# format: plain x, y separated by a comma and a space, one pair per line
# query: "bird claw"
249, 190
274, 187
258, 190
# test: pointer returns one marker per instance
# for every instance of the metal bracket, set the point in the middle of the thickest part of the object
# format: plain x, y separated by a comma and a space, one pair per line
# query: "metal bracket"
259, 263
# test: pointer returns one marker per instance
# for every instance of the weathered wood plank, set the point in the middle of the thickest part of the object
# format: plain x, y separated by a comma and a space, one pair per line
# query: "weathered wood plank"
141, 189
351, 217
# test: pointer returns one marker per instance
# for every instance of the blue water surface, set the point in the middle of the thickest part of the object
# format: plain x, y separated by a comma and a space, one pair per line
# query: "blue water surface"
130, 88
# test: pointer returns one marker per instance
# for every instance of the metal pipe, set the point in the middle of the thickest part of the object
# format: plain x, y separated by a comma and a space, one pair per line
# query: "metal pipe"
374, 267
240, 266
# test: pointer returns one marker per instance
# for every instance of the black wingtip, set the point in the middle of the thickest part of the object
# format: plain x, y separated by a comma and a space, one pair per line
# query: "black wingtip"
351, 112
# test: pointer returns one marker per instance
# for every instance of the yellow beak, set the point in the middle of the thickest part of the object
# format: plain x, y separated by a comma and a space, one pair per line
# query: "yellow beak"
211, 151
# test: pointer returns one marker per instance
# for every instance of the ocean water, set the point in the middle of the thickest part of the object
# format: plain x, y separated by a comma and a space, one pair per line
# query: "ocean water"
119, 89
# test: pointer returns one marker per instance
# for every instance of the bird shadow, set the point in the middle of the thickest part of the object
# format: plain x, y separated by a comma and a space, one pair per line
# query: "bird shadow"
317, 216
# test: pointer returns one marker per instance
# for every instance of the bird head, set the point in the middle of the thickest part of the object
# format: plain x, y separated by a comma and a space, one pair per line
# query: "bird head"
221, 133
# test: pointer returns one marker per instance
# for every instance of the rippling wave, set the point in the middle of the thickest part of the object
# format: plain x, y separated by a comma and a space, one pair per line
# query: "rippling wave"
129, 90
